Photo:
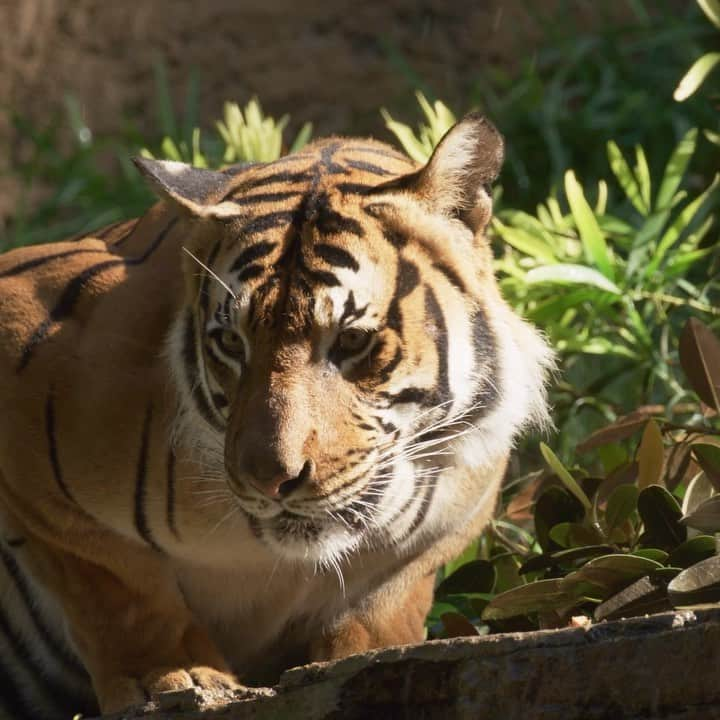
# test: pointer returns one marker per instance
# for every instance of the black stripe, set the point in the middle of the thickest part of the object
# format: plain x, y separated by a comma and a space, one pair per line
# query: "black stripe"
331, 222
423, 510
351, 188
251, 272
170, 494
384, 373
24, 657
265, 197
389, 152
433, 309
368, 167
125, 237
204, 287
487, 394
407, 278
350, 310
40, 261
105, 231
141, 521
52, 445
59, 651
322, 276
336, 256
190, 359
452, 276
419, 396
253, 253
279, 177
72, 292
269, 221
12, 700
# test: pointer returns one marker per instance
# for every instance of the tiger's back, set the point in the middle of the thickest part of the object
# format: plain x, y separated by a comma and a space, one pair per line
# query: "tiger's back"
244, 431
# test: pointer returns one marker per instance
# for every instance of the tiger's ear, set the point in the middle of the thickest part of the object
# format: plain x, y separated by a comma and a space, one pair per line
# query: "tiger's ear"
456, 179
192, 190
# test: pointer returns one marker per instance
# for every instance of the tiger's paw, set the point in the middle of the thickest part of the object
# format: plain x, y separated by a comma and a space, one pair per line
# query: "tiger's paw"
173, 689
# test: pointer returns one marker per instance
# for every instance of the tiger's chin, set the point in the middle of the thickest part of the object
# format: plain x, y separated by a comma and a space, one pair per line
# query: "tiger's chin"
308, 539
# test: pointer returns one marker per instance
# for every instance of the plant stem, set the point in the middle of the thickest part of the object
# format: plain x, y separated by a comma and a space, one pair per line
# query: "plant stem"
672, 300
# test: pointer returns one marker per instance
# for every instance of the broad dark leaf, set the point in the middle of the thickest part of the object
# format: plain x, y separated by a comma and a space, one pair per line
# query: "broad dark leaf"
624, 475
620, 506
661, 515
645, 595
563, 557
697, 585
708, 457
621, 429
570, 535
706, 516
692, 551
700, 359
659, 556
477, 576
553, 507
533, 597
612, 573
679, 465
457, 625
650, 456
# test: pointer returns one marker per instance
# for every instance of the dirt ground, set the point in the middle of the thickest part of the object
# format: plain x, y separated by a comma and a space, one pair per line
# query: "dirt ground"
332, 62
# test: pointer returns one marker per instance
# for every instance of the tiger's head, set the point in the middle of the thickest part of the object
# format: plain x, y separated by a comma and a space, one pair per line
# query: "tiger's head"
343, 344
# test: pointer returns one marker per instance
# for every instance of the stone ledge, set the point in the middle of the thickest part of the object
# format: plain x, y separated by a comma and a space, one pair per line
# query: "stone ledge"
659, 666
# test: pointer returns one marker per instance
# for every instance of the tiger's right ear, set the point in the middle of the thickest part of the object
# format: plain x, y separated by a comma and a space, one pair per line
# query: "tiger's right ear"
192, 190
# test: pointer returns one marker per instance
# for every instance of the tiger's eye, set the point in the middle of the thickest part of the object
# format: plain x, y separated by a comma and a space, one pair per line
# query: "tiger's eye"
231, 343
353, 340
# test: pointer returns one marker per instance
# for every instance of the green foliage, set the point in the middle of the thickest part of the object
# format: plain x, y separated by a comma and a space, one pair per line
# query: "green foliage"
700, 69
419, 145
614, 278
628, 533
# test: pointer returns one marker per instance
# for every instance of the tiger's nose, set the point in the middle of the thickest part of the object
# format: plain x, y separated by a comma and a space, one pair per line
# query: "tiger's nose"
281, 484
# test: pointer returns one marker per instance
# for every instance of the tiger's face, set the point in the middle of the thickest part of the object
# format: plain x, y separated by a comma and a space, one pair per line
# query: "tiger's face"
342, 342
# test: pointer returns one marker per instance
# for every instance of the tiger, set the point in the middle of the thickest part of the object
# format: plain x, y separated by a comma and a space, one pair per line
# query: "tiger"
244, 431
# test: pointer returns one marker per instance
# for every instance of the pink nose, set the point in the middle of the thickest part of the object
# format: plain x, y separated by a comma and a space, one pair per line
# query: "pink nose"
282, 484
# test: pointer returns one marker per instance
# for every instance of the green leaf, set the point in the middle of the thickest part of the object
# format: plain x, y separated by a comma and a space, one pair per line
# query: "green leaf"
692, 551
553, 507
566, 273
302, 138
697, 585
593, 240
611, 572
644, 596
675, 169
565, 477
678, 226
695, 76
457, 625
563, 557
659, 556
650, 456
700, 359
533, 597
661, 517
708, 458
620, 506
477, 576
525, 242
626, 178
706, 516
711, 8
642, 173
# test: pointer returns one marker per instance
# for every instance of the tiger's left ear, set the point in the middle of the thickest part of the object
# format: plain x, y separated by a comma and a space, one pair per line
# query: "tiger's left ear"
456, 180
194, 191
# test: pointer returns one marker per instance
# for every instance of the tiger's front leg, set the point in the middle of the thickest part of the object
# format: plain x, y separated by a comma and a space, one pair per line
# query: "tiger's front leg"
137, 638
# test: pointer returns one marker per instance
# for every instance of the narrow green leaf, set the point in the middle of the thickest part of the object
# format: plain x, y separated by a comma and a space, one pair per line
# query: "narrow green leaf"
711, 8
675, 169
708, 457
695, 76
625, 178
525, 242
692, 551
566, 273
565, 477
642, 173
593, 240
